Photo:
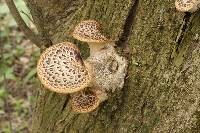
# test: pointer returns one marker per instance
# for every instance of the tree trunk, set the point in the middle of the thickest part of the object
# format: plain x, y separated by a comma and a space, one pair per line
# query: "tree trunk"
161, 93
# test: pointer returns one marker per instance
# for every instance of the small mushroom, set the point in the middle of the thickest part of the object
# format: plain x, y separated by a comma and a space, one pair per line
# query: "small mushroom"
61, 69
87, 100
89, 31
187, 5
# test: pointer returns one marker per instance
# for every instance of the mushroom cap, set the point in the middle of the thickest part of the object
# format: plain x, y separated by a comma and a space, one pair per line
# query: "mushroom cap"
61, 69
186, 5
85, 101
89, 31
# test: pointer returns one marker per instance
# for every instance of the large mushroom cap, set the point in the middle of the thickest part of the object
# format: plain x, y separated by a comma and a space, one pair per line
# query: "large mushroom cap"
61, 69
187, 5
89, 31
85, 101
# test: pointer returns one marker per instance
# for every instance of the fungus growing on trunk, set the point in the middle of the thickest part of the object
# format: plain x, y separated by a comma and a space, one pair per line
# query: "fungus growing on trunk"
89, 31
108, 69
187, 5
87, 100
61, 69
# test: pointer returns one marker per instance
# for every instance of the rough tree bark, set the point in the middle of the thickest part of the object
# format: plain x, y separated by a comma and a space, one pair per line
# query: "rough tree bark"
160, 95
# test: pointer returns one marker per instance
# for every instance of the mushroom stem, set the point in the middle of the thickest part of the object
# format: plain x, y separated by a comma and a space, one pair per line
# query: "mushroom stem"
95, 47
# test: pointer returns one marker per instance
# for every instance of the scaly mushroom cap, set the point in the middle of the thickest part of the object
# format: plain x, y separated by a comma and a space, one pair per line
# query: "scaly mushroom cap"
85, 101
89, 31
61, 69
187, 5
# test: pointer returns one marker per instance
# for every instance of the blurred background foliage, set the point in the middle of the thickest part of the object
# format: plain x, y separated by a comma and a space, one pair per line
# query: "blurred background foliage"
18, 58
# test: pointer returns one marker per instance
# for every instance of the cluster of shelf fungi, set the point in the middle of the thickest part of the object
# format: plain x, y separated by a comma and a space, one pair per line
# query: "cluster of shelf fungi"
61, 68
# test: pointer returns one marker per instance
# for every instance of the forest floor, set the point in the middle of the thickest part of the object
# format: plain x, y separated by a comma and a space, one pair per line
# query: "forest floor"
18, 58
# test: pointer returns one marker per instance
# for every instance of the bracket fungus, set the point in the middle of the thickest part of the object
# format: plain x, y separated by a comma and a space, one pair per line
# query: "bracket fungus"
87, 100
107, 67
89, 31
61, 69
187, 5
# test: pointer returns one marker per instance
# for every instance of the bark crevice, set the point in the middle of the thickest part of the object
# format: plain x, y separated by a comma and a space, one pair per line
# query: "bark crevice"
128, 25
183, 30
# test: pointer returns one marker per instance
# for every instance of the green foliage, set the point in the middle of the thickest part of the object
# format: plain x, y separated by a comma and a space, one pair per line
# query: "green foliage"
18, 59
2, 93
6, 128
22, 9
30, 75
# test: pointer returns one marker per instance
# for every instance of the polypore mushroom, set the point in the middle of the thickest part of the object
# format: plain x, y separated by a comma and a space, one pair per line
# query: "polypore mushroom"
61, 69
89, 31
187, 5
86, 101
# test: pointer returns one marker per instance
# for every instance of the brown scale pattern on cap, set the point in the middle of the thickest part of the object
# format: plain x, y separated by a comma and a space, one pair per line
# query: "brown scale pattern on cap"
89, 31
85, 101
61, 69
185, 5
